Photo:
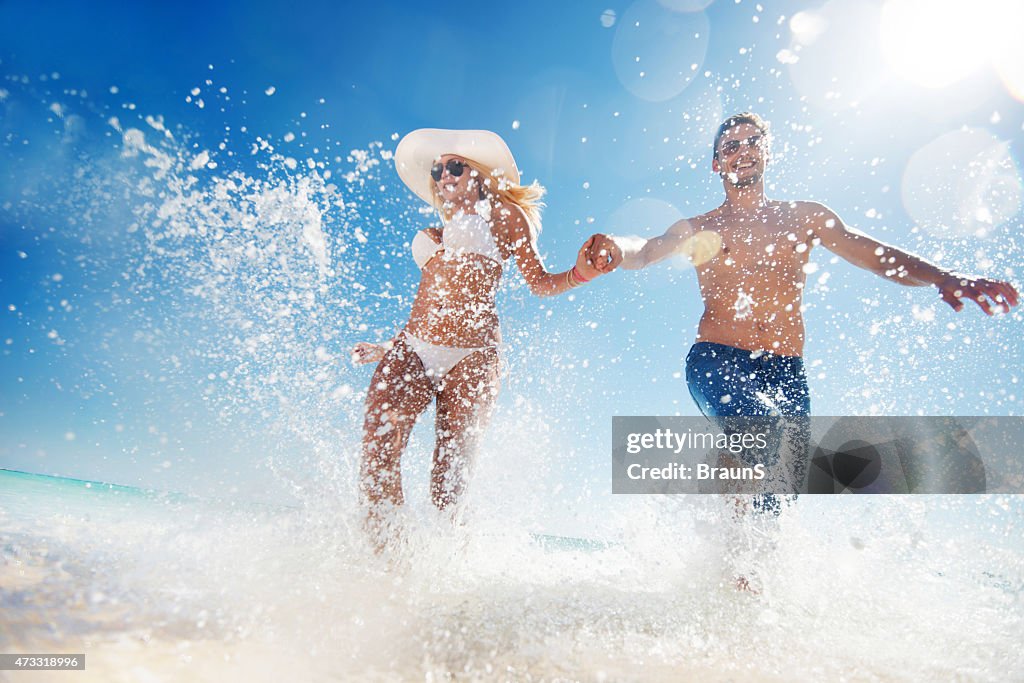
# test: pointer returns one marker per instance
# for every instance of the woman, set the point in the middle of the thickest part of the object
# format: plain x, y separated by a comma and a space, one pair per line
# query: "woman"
448, 351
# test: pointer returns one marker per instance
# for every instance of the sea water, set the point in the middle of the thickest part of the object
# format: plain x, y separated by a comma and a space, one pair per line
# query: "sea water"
154, 586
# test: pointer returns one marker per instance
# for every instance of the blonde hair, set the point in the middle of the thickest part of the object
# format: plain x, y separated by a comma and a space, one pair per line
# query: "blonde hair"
494, 184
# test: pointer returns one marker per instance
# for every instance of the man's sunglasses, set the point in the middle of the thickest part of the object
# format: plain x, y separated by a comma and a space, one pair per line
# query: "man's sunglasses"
730, 147
454, 166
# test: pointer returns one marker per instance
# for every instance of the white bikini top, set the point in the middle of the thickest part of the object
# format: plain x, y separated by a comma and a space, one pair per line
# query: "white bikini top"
465, 233
423, 247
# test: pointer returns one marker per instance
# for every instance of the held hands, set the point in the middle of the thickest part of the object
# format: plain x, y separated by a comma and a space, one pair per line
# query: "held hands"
584, 266
955, 287
603, 253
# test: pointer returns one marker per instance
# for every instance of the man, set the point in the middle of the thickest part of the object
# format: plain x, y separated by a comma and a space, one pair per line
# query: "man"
750, 255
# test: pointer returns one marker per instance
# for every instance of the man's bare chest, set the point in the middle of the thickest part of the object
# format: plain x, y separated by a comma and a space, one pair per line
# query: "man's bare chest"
751, 244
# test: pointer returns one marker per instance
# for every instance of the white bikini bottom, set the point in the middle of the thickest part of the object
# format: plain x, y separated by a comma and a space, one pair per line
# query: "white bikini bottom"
438, 360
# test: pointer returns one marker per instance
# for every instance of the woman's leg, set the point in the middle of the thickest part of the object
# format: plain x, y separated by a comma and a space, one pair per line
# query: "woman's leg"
399, 392
464, 407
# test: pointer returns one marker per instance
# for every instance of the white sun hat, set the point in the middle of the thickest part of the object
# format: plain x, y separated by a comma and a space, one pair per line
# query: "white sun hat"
417, 152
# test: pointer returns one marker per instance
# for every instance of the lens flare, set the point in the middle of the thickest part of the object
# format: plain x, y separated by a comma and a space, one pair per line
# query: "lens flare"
651, 217
643, 217
1010, 67
833, 59
1008, 49
964, 182
807, 26
685, 5
933, 44
657, 52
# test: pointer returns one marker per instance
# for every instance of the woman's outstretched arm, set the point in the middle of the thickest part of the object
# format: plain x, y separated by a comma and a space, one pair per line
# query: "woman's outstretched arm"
540, 281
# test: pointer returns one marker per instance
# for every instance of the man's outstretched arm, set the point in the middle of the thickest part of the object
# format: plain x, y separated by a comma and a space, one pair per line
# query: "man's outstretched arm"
607, 252
905, 268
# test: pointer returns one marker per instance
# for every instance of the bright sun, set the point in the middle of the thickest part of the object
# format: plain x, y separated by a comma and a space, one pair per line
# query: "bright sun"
936, 43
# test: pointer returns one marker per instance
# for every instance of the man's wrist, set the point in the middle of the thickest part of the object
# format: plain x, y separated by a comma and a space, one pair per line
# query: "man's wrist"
629, 250
942, 276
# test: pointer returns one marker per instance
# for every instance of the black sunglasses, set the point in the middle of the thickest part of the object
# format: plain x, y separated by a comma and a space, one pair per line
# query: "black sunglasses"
730, 147
454, 166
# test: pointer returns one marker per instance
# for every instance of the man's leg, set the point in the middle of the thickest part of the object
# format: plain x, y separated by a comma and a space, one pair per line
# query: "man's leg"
724, 383
787, 384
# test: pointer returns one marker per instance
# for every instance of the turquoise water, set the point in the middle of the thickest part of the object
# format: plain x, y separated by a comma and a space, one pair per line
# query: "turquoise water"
24, 495
23, 488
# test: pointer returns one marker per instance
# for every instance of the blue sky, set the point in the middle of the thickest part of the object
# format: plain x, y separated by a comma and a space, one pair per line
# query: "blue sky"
123, 361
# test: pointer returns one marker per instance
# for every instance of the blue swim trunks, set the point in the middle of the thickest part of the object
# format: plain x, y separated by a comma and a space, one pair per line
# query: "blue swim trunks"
725, 380
729, 383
